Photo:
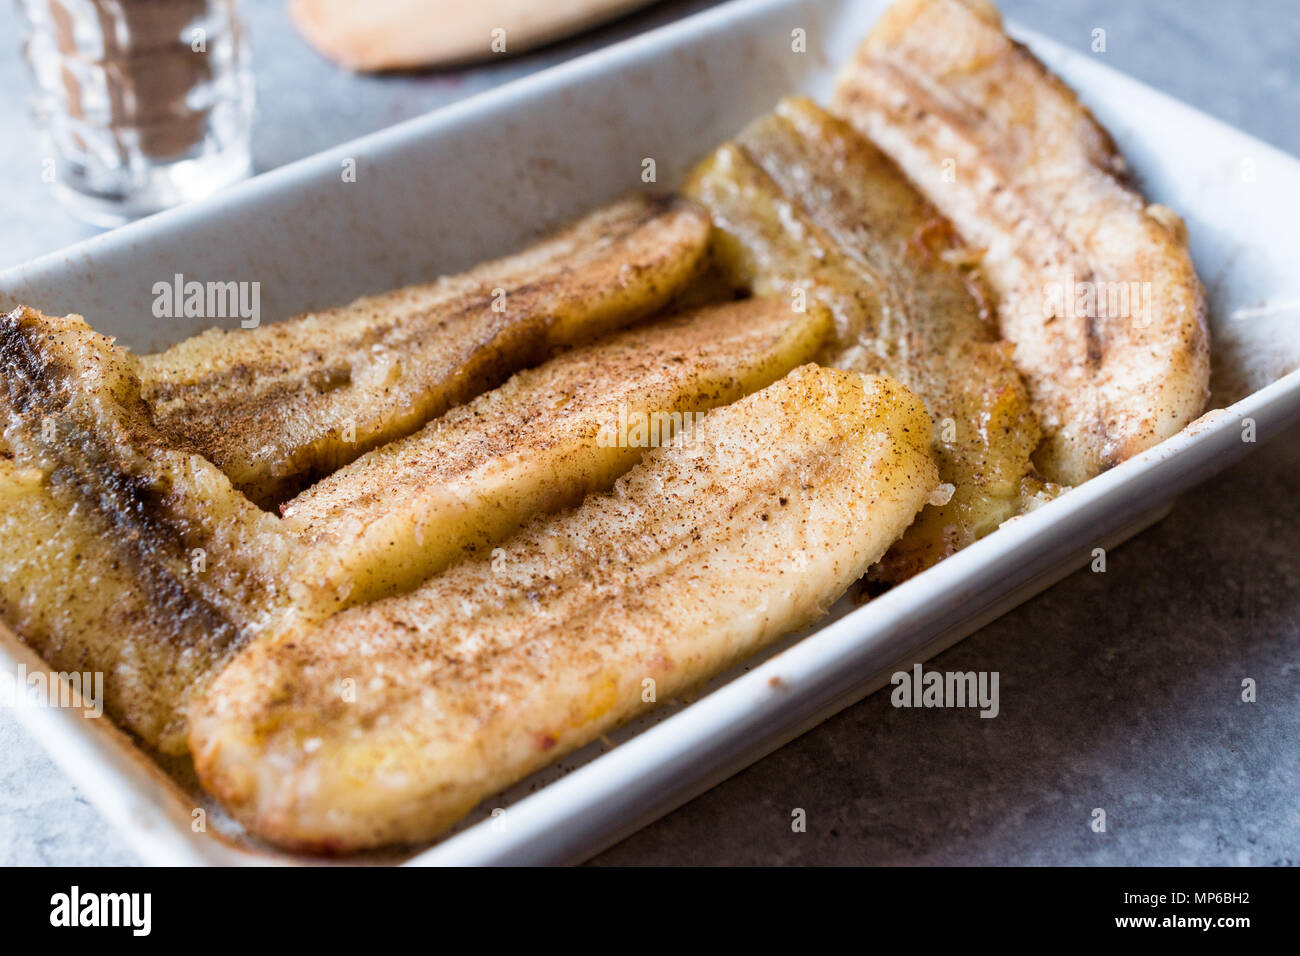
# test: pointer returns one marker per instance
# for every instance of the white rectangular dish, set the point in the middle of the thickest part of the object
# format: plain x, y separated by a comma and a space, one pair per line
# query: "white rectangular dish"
486, 175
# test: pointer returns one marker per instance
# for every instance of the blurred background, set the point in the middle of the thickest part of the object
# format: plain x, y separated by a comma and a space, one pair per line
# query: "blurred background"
1213, 590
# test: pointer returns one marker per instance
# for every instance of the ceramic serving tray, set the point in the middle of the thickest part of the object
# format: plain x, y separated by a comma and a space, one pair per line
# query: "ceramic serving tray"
485, 176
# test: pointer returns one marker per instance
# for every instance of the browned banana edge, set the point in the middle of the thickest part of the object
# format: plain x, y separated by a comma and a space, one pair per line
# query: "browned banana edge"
191, 567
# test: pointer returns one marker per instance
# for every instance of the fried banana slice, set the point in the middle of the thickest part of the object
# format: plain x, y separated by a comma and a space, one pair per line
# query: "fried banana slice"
282, 405
1095, 288
803, 206
701, 555
538, 443
118, 553
85, 603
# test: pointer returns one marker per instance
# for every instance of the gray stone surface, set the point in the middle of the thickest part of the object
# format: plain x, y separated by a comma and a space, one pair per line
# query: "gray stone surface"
1119, 691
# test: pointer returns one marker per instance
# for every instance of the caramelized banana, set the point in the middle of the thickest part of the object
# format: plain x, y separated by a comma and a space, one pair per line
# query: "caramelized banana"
1095, 287
118, 553
702, 554
537, 444
284, 404
805, 207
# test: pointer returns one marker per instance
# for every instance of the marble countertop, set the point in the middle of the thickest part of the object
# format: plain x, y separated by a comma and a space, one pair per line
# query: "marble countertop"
1118, 690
